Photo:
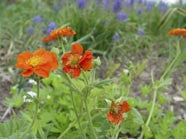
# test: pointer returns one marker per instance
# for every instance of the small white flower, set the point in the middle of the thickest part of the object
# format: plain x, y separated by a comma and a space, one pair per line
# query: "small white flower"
178, 99
48, 97
26, 100
31, 81
32, 94
126, 71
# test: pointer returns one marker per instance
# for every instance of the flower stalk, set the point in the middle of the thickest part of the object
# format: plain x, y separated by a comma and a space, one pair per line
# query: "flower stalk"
168, 69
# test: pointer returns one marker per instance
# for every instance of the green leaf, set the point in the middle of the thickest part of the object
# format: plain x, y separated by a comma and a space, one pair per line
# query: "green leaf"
132, 122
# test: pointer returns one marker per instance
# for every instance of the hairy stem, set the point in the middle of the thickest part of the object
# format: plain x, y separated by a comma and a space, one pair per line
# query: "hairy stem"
77, 115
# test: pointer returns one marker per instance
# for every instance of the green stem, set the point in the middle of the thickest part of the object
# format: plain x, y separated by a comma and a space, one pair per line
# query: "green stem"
116, 132
90, 119
77, 116
86, 106
171, 65
168, 69
150, 114
62, 46
71, 83
68, 128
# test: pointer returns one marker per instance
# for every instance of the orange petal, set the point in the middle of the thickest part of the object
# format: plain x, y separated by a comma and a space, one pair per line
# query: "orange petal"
27, 73
75, 72
177, 31
86, 61
41, 72
115, 118
22, 60
50, 59
54, 62
40, 52
64, 58
124, 107
77, 48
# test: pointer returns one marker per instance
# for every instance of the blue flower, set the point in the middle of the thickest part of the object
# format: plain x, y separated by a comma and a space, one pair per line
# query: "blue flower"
122, 16
55, 7
37, 19
141, 32
162, 6
150, 5
115, 37
51, 26
139, 11
30, 30
117, 5
81, 3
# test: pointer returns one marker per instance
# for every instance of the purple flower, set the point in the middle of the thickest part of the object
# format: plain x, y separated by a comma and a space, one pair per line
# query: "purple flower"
81, 3
106, 3
51, 26
139, 11
140, 1
122, 16
30, 30
37, 19
130, 2
55, 7
62, 3
115, 37
141, 32
162, 6
150, 5
117, 5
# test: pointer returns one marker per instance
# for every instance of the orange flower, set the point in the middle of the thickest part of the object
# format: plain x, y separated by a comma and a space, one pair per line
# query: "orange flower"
75, 61
61, 32
115, 115
178, 31
41, 62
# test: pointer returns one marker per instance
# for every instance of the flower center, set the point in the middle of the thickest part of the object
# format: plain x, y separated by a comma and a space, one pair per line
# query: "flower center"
73, 60
34, 61
115, 108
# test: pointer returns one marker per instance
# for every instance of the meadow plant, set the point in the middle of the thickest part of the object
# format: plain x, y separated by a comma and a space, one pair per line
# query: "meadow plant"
76, 63
59, 89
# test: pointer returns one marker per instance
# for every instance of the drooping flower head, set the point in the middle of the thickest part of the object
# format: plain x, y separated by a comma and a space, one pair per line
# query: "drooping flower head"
57, 33
122, 16
178, 31
76, 61
40, 62
115, 115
